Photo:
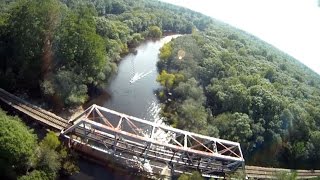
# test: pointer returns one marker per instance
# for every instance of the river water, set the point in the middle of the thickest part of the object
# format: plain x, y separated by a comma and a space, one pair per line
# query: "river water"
131, 91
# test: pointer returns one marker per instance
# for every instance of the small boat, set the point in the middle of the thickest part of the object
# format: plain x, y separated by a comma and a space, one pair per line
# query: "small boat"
135, 77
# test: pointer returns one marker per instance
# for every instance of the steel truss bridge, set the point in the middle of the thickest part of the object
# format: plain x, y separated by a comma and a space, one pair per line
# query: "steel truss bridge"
162, 146
135, 142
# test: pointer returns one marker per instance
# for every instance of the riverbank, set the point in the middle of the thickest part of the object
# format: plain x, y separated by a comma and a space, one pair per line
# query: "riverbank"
136, 99
105, 93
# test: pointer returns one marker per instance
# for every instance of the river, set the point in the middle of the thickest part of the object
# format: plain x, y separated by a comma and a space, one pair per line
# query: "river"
130, 91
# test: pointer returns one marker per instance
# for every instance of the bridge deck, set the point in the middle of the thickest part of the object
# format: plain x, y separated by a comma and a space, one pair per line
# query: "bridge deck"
128, 146
44, 117
181, 151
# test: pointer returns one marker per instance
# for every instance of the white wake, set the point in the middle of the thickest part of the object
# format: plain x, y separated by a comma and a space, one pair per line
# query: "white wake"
139, 76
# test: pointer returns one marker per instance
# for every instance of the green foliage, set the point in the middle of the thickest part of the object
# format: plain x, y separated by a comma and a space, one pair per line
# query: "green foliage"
239, 88
286, 175
67, 86
166, 79
238, 175
48, 161
29, 32
235, 126
79, 47
52, 157
154, 32
192, 116
22, 157
50, 141
136, 39
189, 89
165, 51
17, 145
194, 176
61, 49
35, 175
227, 80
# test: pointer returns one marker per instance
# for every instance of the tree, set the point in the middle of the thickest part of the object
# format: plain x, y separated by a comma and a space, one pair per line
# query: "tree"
235, 126
50, 141
52, 157
66, 85
81, 58
135, 39
79, 47
20, 155
35, 175
315, 143
166, 79
154, 32
31, 32
194, 176
190, 89
165, 51
250, 97
118, 7
192, 116
17, 146
48, 161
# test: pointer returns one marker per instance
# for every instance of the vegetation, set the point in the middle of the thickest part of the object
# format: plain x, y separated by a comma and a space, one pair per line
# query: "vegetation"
23, 158
231, 85
194, 176
286, 175
154, 32
62, 49
217, 80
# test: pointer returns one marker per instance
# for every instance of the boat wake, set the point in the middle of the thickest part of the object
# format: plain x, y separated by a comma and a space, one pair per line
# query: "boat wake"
139, 76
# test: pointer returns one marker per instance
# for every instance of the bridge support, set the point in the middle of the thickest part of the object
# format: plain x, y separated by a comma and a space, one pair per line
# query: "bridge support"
152, 146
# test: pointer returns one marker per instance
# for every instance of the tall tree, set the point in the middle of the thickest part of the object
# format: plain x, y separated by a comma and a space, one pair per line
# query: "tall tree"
17, 147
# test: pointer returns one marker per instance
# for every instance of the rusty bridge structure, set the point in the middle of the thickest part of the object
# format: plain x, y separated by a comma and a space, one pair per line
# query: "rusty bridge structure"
146, 146
161, 146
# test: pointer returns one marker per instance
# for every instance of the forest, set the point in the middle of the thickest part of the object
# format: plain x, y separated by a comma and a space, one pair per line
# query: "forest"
23, 156
225, 83
216, 80
62, 50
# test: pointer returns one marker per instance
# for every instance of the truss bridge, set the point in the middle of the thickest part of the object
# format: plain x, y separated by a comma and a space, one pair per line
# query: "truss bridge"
148, 147
154, 147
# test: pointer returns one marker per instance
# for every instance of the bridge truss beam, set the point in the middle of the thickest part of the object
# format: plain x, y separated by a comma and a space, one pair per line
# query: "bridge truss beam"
127, 137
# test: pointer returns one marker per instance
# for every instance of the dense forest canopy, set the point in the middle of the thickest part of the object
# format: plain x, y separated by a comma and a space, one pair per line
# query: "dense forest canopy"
62, 49
217, 80
23, 158
231, 85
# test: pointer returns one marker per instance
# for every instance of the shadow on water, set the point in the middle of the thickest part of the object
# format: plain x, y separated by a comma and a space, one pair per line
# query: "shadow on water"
93, 171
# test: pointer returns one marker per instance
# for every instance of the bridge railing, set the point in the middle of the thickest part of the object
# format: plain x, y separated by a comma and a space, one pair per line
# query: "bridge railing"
181, 151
